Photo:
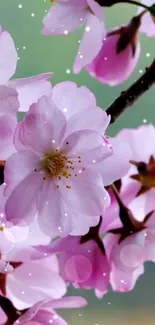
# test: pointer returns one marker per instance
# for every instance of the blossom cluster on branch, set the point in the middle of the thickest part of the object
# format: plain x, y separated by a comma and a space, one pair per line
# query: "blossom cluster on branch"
76, 206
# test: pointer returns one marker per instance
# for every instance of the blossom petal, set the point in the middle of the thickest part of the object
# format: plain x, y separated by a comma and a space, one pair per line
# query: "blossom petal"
13, 174
62, 19
115, 166
9, 103
8, 56
21, 204
71, 99
124, 282
89, 145
66, 302
87, 194
91, 118
147, 25
91, 43
43, 127
31, 89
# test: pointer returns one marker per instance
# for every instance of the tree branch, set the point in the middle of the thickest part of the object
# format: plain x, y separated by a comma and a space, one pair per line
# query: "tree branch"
11, 312
129, 96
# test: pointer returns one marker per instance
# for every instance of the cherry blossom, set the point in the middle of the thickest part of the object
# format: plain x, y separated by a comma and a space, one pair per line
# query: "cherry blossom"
82, 262
57, 165
66, 16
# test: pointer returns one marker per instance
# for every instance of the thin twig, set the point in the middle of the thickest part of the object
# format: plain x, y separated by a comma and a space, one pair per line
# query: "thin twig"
129, 96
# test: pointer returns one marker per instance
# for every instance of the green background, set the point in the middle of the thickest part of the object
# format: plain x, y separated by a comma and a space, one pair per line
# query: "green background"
56, 54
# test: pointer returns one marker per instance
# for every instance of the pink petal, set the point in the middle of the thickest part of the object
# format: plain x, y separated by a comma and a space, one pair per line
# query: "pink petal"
9, 103
29, 314
91, 43
147, 24
87, 144
21, 204
7, 128
43, 127
112, 68
134, 137
129, 254
124, 282
66, 302
60, 223
86, 195
91, 118
45, 317
149, 201
115, 166
62, 19
31, 89
71, 99
8, 56
42, 277
17, 167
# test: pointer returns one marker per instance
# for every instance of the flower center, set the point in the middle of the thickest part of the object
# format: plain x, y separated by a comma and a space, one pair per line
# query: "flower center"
145, 175
54, 164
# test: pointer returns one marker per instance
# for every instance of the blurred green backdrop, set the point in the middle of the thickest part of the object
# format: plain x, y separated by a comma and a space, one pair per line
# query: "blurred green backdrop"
38, 54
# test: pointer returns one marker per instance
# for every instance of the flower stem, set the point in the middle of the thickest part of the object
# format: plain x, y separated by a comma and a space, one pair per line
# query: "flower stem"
109, 3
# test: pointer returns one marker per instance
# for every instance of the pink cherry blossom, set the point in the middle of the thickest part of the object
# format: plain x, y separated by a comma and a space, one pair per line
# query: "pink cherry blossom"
56, 165
112, 67
148, 22
29, 89
127, 256
66, 16
84, 265
43, 312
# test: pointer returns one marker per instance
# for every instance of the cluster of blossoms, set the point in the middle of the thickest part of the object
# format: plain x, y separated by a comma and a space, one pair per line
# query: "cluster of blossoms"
76, 206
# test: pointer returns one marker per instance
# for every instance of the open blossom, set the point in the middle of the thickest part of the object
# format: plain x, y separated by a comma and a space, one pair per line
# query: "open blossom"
44, 313
148, 21
118, 56
59, 153
58, 166
83, 264
29, 89
66, 16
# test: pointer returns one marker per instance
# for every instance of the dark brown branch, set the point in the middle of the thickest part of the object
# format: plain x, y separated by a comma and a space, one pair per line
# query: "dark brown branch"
129, 96
11, 312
